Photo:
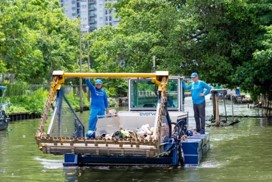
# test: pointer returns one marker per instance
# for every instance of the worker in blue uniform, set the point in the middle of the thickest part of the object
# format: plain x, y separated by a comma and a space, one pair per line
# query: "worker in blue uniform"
237, 91
98, 107
199, 90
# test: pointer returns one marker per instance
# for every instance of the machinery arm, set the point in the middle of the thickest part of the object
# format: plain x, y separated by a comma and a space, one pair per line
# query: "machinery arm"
160, 78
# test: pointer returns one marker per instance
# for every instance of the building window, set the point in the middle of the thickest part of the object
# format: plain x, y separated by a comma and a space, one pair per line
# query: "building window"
92, 7
91, 13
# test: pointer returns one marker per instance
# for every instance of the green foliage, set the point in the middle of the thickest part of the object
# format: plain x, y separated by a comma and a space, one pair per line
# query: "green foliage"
112, 102
111, 91
34, 101
226, 42
221, 40
30, 103
36, 38
225, 37
256, 73
116, 87
145, 30
74, 100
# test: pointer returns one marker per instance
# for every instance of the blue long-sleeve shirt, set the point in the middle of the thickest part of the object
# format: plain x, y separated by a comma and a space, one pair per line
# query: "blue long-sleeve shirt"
99, 96
196, 89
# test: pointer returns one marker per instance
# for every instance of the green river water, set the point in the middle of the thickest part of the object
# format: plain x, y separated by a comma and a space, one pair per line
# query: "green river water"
242, 152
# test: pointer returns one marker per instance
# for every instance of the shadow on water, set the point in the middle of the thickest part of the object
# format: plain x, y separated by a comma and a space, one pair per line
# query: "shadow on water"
131, 174
266, 122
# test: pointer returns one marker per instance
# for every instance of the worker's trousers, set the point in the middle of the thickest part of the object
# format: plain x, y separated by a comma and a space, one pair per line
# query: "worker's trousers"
95, 113
199, 114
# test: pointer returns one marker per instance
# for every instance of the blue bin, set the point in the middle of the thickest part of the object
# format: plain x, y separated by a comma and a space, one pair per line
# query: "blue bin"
192, 159
205, 138
192, 146
193, 152
70, 160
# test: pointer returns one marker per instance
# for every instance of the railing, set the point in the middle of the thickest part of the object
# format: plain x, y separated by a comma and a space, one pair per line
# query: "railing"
146, 94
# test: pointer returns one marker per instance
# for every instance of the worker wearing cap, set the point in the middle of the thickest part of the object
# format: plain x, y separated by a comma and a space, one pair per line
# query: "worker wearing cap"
99, 104
199, 90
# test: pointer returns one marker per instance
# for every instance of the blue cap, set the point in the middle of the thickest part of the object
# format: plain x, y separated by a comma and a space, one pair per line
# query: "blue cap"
193, 75
98, 81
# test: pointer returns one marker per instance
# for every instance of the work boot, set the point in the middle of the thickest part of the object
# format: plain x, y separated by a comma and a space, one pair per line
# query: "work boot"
90, 134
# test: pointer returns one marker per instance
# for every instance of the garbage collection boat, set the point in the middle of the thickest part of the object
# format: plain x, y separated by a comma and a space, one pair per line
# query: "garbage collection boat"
153, 131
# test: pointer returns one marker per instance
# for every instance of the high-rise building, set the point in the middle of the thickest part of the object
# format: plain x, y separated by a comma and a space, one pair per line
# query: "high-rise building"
92, 13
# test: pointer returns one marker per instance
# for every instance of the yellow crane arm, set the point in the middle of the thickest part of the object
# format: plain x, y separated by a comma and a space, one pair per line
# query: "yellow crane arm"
160, 78
156, 76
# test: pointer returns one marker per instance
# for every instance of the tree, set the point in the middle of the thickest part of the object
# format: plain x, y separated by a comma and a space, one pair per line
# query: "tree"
144, 30
256, 73
218, 39
36, 39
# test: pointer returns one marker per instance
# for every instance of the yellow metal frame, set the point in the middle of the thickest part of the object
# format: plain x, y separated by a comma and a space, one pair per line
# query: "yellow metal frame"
61, 76
160, 78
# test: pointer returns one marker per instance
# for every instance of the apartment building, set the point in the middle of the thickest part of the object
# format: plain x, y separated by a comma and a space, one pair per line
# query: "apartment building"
92, 13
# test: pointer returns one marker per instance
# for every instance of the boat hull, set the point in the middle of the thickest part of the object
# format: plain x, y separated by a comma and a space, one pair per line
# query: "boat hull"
3, 124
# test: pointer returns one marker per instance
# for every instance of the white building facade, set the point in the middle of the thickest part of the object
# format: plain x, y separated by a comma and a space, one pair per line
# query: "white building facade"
92, 13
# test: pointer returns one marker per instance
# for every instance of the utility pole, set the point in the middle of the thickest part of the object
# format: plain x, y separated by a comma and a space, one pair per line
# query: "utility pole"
154, 63
80, 69
88, 47
88, 52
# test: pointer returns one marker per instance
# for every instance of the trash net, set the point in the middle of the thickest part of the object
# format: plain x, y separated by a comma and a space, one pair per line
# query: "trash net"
64, 121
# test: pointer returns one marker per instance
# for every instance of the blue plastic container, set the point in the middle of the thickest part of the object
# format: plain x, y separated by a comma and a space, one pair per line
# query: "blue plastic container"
192, 146
205, 138
193, 152
192, 160
205, 141
70, 159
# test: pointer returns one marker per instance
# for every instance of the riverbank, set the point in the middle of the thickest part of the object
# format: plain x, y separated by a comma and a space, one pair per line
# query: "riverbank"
264, 110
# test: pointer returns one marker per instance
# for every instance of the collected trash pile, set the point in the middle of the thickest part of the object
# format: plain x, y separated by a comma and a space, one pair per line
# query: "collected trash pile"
144, 132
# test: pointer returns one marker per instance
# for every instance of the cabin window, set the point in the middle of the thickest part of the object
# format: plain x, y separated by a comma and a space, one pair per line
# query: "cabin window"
144, 96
